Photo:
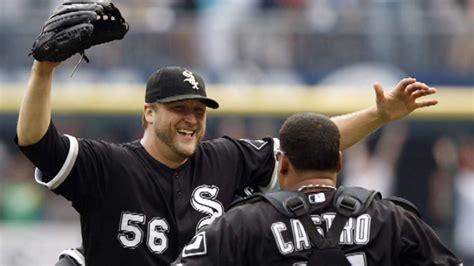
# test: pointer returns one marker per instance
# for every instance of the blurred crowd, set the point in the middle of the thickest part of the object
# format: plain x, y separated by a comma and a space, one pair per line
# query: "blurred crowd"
265, 41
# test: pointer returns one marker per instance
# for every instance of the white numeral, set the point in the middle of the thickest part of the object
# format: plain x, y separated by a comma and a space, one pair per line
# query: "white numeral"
157, 239
357, 259
131, 235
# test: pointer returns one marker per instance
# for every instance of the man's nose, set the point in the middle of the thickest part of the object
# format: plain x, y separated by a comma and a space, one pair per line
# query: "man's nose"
191, 117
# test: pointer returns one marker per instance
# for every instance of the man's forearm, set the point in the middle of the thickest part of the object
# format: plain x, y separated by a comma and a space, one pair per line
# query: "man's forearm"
35, 108
355, 126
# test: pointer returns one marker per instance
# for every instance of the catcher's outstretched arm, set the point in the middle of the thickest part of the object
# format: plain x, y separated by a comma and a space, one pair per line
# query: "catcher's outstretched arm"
397, 104
35, 108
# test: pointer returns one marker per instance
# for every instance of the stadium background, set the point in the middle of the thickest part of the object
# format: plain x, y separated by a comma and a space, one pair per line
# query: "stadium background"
263, 60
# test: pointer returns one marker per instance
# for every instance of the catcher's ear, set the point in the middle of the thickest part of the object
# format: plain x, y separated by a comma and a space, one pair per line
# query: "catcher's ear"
284, 164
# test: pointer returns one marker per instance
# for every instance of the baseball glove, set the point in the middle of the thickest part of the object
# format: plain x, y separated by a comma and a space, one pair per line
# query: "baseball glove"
76, 26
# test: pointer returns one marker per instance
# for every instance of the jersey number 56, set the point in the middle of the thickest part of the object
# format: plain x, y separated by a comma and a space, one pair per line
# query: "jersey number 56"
131, 235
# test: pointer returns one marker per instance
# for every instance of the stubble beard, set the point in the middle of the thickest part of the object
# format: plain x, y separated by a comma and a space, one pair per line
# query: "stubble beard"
167, 137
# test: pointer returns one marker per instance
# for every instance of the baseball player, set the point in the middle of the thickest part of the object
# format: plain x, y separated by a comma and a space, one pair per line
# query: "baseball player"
140, 202
336, 227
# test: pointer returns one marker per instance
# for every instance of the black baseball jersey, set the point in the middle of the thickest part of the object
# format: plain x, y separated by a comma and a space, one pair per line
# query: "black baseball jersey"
257, 234
135, 210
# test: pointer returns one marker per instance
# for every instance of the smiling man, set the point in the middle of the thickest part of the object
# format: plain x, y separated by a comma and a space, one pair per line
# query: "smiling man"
175, 109
141, 201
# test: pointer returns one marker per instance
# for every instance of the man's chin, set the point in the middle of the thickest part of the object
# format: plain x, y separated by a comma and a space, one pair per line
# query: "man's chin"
186, 152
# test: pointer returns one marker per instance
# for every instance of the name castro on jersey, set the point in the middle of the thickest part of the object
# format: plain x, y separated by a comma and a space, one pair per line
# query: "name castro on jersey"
356, 231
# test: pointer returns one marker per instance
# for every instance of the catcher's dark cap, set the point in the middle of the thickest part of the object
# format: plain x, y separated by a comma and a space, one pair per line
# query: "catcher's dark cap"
171, 84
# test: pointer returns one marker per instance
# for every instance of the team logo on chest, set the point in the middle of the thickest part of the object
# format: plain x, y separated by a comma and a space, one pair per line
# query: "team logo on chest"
204, 200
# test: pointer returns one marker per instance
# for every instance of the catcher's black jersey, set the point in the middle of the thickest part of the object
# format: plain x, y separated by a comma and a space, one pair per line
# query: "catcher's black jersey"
257, 234
135, 210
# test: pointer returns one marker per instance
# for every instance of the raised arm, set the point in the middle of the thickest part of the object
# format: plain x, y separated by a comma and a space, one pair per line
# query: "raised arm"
72, 28
397, 104
35, 108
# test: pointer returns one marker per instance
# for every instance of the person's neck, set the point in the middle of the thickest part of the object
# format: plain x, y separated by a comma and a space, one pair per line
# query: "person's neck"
315, 181
316, 187
161, 152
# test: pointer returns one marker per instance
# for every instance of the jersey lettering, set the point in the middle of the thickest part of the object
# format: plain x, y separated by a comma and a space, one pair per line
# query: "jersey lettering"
347, 233
319, 224
356, 231
328, 218
301, 239
131, 235
203, 199
283, 247
362, 229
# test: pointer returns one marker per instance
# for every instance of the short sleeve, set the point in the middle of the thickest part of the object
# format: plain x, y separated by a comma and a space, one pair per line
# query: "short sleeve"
77, 169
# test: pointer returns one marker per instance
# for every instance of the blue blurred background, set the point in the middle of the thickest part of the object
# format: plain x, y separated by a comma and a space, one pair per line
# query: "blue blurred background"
268, 45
